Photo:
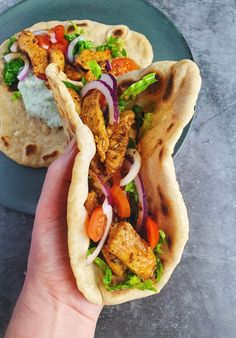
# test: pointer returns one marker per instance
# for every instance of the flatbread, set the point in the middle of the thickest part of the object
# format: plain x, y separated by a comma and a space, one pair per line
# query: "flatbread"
173, 98
29, 141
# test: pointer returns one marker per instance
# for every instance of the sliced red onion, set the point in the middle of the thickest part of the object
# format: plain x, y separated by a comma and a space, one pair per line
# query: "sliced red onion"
110, 80
134, 168
14, 47
143, 213
72, 46
107, 209
41, 32
24, 71
52, 35
109, 94
108, 65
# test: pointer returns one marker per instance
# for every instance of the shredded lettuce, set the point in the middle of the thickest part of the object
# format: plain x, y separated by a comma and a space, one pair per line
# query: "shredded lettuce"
147, 123
71, 37
133, 282
72, 86
106, 271
136, 88
131, 188
157, 251
162, 239
115, 45
16, 96
83, 80
12, 40
95, 68
11, 70
82, 45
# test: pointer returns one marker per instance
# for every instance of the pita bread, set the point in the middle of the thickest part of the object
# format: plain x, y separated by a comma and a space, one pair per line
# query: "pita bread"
173, 97
29, 141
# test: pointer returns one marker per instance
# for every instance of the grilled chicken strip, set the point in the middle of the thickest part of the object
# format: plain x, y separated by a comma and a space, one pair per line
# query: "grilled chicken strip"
72, 73
118, 268
92, 202
88, 55
92, 116
38, 56
57, 57
118, 140
126, 244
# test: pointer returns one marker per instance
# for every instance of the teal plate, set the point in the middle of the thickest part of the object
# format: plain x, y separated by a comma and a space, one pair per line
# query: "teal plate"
20, 187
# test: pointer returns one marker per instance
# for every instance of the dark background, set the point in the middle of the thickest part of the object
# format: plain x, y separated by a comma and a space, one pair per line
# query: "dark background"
200, 298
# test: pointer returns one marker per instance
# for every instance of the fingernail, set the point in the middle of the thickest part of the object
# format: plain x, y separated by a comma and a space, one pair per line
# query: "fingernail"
70, 147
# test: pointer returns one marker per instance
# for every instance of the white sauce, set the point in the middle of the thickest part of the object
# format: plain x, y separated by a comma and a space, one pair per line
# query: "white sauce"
39, 101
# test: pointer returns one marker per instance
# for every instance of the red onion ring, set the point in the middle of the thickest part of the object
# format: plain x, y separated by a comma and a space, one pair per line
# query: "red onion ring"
107, 209
143, 213
108, 66
110, 96
134, 168
110, 80
25, 69
71, 47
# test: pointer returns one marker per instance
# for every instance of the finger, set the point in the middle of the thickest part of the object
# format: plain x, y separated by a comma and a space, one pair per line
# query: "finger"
53, 199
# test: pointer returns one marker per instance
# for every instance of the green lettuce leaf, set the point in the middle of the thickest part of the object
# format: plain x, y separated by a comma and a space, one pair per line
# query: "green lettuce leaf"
115, 45
95, 68
82, 45
147, 123
106, 271
157, 251
12, 40
16, 96
131, 188
162, 240
136, 88
11, 70
72, 86
133, 282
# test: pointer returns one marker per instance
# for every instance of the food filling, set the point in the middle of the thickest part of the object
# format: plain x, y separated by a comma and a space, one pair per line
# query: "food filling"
126, 242
28, 54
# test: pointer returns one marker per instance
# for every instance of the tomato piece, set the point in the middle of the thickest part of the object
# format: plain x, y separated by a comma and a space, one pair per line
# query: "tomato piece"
97, 224
44, 41
59, 32
62, 45
117, 177
120, 200
121, 66
152, 232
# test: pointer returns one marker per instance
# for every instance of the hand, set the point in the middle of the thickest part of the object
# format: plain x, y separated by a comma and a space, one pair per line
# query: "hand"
49, 278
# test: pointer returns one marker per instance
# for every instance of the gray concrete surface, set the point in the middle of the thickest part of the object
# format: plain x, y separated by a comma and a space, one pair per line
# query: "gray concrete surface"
200, 299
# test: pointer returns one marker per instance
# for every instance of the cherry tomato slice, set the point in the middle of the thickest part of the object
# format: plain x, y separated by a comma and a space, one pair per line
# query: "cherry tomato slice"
97, 224
59, 32
122, 65
62, 45
120, 200
44, 41
152, 232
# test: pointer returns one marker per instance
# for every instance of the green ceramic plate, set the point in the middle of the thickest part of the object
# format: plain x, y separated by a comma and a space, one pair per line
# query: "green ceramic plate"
19, 186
